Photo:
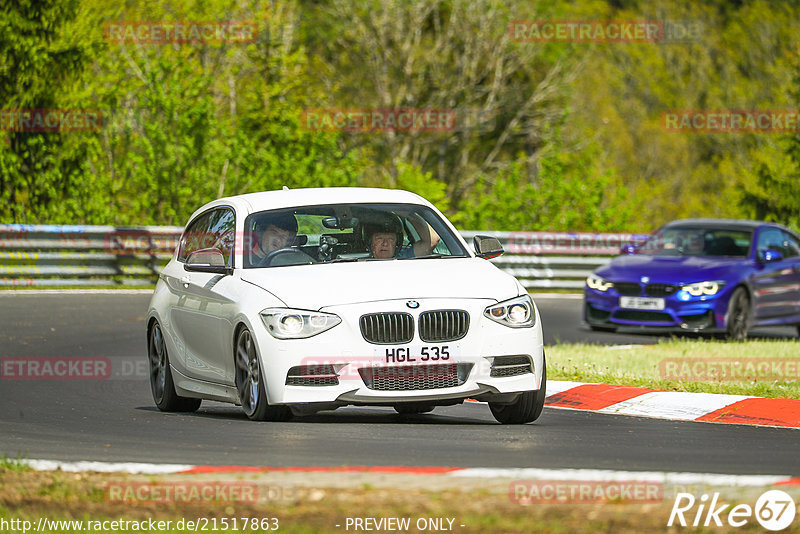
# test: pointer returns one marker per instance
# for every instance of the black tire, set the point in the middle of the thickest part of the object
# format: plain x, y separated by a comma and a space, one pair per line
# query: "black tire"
413, 408
738, 315
161, 384
527, 408
609, 329
250, 385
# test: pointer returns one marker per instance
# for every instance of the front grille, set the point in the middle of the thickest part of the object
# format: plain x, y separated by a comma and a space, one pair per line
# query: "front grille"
628, 288
510, 366
387, 328
415, 377
312, 375
443, 325
660, 290
597, 314
644, 316
698, 322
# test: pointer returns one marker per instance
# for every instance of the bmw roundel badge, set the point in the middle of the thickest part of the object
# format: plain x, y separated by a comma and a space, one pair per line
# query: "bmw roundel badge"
413, 304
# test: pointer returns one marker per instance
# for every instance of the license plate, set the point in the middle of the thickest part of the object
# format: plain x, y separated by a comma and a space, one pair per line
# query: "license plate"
641, 303
418, 354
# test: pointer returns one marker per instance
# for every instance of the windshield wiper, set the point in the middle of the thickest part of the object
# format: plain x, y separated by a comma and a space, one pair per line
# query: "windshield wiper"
343, 260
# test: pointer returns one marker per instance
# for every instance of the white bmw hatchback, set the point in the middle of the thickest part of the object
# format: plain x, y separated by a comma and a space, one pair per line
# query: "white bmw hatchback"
294, 301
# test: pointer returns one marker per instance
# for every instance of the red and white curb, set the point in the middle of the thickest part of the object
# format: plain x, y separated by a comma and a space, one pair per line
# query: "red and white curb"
710, 479
674, 405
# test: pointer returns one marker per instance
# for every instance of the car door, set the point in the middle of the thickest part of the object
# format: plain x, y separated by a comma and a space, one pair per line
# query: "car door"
203, 314
775, 282
792, 245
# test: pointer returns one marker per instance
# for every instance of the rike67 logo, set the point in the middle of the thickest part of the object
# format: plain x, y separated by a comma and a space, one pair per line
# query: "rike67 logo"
774, 510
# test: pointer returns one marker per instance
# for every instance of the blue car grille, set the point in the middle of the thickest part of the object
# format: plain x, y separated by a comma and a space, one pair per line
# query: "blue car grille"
628, 288
643, 316
660, 290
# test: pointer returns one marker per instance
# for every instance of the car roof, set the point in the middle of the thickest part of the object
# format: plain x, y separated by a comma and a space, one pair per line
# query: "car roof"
287, 198
733, 224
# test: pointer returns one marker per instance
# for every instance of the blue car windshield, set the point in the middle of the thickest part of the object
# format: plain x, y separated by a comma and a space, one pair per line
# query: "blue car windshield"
698, 242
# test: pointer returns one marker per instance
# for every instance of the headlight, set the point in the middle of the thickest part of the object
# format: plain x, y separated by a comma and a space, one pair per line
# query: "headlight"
704, 288
595, 282
516, 313
285, 323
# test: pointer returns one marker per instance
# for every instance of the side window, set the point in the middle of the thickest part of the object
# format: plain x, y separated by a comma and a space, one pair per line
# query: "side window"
792, 245
771, 239
212, 229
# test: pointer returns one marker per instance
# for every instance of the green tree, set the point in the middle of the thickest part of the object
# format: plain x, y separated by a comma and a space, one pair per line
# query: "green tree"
42, 54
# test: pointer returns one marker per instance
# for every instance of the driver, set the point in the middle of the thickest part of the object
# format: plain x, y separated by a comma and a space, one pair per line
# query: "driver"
272, 233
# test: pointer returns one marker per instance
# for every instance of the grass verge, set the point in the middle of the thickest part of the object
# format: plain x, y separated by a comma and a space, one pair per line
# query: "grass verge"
474, 506
761, 368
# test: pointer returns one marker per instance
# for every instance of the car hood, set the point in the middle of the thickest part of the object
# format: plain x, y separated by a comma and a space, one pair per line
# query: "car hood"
668, 269
312, 287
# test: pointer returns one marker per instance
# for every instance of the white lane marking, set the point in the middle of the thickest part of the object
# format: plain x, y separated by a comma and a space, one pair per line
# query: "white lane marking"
558, 386
76, 292
673, 404
106, 467
664, 477
470, 472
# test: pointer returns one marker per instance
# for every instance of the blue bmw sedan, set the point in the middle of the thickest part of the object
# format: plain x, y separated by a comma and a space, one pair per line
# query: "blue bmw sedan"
700, 275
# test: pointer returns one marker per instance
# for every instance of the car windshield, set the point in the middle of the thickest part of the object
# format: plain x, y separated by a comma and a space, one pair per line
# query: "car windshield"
698, 242
347, 232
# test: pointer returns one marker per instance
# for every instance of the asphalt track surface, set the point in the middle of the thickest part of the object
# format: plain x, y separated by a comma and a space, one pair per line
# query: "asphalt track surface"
115, 420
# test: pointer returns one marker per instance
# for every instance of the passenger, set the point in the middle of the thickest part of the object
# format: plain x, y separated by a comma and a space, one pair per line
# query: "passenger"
385, 239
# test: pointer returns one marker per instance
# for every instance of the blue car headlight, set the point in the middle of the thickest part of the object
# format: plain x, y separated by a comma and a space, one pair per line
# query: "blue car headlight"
704, 288
286, 323
516, 313
595, 282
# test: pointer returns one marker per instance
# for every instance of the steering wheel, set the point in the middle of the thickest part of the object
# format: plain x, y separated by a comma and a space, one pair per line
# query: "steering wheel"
286, 256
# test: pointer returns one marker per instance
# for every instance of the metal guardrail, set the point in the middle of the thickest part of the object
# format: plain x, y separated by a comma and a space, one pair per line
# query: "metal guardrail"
58, 256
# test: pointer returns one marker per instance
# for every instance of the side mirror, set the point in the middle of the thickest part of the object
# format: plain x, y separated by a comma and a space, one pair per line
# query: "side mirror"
207, 260
487, 247
769, 255
628, 248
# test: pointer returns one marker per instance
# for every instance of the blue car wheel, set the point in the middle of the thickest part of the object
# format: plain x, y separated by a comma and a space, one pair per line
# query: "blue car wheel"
738, 315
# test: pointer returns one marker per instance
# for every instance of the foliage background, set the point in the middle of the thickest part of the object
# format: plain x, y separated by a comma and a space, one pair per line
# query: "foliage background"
555, 136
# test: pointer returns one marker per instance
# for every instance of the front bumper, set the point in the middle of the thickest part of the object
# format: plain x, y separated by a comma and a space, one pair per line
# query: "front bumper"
340, 366
697, 314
